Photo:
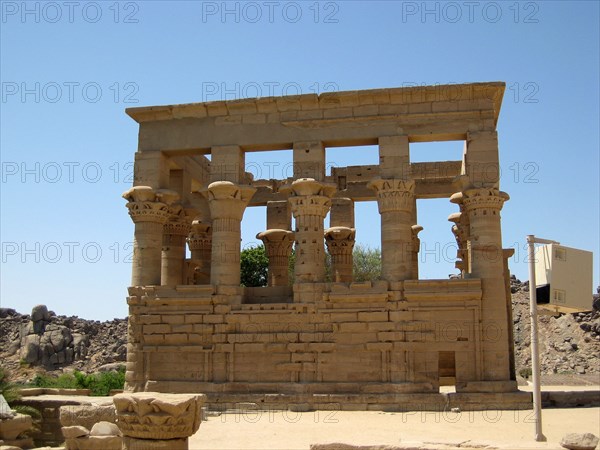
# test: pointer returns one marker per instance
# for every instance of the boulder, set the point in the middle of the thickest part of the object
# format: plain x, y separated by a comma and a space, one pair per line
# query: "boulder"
40, 312
577, 441
11, 429
74, 432
30, 349
105, 429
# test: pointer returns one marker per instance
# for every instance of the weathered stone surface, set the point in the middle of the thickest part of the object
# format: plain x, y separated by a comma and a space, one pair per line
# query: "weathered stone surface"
86, 415
11, 429
150, 415
577, 441
130, 443
95, 443
105, 429
40, 313
74, 431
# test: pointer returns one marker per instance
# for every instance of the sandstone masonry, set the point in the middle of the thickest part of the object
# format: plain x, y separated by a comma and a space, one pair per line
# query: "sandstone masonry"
387, 345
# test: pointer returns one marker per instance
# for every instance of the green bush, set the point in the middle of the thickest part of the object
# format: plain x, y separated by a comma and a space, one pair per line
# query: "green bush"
100, 384
64, 381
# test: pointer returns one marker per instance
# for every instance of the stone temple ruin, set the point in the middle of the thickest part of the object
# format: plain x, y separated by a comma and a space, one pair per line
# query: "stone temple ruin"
385, 345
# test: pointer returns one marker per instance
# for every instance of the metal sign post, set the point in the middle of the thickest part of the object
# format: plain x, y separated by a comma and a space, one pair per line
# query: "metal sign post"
535, 352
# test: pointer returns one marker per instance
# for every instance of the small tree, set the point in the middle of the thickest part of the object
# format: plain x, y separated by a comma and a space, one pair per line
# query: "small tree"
367, 263
254, 265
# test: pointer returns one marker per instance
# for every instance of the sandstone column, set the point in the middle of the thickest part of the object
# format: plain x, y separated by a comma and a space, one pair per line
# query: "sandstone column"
200, 243
460, 229
175, 233
416, 246
227, 202
395, 199
340, 239
278, 241
278, 245
149, 209
340, 243
310, 201
483, 205
149, 420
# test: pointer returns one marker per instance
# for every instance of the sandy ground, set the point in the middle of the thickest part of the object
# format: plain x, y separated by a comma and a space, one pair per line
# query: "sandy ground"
291, 430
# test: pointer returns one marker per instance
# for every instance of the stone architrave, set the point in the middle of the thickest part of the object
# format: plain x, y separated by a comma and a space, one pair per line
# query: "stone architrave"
200, 243
278, 245
310, 201
149, 209
227, 202
395, 199
340, 243
151, 420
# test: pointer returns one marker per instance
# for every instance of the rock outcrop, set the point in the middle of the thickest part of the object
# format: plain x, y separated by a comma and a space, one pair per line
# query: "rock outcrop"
46, 340
569, 343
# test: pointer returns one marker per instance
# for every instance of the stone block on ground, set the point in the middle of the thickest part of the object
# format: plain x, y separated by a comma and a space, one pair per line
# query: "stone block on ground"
86, 415
155, 444
150, 415
10, 429
579, 441
105, 429
75, 431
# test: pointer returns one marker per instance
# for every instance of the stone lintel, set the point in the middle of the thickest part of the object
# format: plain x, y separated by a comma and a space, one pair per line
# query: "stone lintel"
422, 113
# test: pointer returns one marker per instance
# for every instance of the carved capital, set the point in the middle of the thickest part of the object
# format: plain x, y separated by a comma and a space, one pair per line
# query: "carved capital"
485, 199
156, 212
310, 205
150, 415
309, 197
149, 205
228, 200
340, 240
393, 194
277, 242
179, 223
200, 237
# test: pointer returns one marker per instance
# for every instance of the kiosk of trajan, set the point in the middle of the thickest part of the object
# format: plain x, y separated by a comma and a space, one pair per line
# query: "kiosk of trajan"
304, 342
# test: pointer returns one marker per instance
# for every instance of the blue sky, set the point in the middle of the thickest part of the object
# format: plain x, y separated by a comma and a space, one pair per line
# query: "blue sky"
68, 72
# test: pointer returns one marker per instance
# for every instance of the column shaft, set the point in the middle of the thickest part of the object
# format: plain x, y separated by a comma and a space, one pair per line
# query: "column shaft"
227, 202
487, 263
395, 199
173, 251
310, 202
225, 254
147, 247
200, 243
